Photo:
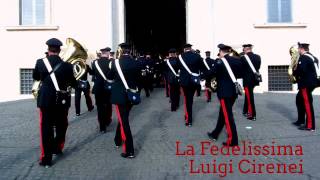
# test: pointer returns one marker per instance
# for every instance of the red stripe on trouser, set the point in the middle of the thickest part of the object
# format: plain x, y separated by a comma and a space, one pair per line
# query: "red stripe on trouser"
207, 94
41, 145
169, 89
123, 135
246, 90
226, 118
185, 107
307, 107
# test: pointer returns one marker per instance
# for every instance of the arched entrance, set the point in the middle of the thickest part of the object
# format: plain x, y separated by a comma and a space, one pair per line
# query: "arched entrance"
155, 25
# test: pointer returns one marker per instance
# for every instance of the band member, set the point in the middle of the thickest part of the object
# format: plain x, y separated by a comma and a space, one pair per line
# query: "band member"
52, 114
144, 73
173, 79
111, 57
249, 80
194, 63
208, 62
132, 73
227, 95
165, 74
306, 76
198, 90
150, 71
100, 69
83, 86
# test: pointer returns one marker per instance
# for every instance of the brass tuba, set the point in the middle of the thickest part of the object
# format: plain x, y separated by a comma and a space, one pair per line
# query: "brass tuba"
76, 55
119, 53
294, 53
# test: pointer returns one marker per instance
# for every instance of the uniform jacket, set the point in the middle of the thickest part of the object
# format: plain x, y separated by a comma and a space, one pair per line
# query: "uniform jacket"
132, 73
64, 76
306, 73
102, 95
174, 63
248, 75
225, 86
194, 63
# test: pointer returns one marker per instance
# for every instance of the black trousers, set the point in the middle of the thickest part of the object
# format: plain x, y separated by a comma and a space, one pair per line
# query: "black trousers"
174, 96
123, 133
146, 85
77, 99
304, 103
104, 108
199, 90
188, 93
208, 94
150, 81
166, 86
249, 107
53, 128
226, 118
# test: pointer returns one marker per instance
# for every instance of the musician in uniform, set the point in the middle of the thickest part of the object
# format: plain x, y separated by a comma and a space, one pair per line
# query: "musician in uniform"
173, 79
111, 57
226, 93
144, 73
198, 90
306, 76
249, 80
132, 74
194, 63
53, 114
83, 86
150, 71
100, 69
208, 62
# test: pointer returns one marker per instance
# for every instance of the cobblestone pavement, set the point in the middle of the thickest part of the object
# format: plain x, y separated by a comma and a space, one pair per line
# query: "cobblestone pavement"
90, 155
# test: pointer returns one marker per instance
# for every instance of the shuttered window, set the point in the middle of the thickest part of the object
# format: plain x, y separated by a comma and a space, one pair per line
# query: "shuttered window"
32, 12
279, 11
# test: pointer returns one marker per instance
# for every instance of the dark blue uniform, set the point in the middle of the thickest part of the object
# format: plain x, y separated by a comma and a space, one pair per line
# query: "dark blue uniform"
249, 83
173, 81
306, 76
102, 96
132, 73
86, 91
209, 62
195, 64
227, 95
145, 64
51, 114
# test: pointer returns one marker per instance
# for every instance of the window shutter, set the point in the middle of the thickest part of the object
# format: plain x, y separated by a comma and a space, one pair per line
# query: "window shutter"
286, 8
32, 12
279, 11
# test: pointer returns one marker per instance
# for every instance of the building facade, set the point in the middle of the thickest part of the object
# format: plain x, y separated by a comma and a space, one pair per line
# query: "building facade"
271, 25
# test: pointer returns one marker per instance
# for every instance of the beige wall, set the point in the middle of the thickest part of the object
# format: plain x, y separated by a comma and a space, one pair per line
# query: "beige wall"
239, 22
208, 23
86, 21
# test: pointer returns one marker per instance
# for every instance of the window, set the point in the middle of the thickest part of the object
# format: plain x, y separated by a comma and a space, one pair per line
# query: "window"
26, 81
279, 11
279, 78
32, 12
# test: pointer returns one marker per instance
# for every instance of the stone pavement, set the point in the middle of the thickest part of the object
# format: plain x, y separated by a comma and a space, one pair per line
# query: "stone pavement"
90, 155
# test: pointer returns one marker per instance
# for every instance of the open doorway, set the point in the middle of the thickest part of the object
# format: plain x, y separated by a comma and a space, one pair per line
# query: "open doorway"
155, 25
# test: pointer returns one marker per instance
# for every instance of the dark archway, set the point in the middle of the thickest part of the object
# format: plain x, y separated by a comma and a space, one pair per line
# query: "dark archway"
155, 25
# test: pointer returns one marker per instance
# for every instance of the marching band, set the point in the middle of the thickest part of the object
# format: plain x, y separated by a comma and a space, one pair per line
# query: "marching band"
119, 80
